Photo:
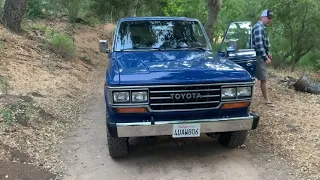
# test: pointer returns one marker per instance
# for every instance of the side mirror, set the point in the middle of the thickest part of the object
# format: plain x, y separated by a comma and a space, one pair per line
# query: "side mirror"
232, 47
103, 45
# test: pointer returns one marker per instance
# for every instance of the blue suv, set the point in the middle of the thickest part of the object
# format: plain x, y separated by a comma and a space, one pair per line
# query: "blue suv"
163, 79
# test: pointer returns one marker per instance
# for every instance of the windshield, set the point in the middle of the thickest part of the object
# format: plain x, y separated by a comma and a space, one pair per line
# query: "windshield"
162, 34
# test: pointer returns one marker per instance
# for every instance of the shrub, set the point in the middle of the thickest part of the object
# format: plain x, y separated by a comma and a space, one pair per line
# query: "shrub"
34, 10
91, 20
7, 113
20, 112
61, 43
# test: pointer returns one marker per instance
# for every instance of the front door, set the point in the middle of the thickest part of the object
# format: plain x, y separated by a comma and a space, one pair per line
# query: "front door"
237, 46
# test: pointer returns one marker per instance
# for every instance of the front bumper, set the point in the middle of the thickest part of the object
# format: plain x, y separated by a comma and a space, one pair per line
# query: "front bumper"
163, 128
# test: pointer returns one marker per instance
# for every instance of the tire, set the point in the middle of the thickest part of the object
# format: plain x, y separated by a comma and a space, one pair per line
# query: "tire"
118, 147
233, 139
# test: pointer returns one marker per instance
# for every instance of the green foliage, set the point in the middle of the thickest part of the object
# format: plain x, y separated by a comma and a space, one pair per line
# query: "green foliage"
86, 59
188, 8
232, 10
1, 4
40, 9
91, 20
73, 7
57, 8
293, 34
113, 10
7, 113
311, 61
61, 43
20, 112
100, 8
35, 9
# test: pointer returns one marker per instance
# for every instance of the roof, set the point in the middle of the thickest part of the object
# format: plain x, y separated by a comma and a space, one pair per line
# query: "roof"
157, 18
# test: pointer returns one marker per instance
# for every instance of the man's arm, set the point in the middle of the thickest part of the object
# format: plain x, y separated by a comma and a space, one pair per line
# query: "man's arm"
259, 43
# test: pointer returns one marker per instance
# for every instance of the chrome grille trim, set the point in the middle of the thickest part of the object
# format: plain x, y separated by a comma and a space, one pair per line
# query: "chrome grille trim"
168, 104
196, 90
207, 96
160, 98
179, 98
204, 96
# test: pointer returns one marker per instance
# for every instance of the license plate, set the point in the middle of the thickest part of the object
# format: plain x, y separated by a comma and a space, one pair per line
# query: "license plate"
186, 130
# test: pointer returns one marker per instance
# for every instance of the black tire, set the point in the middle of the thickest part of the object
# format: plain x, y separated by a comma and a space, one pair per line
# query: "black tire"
233, 139
118, 147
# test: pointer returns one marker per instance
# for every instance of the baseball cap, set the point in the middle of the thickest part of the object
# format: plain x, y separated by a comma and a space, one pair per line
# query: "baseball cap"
267, 13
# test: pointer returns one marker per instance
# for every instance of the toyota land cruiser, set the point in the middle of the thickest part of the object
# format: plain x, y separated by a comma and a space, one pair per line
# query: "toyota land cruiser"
163, 79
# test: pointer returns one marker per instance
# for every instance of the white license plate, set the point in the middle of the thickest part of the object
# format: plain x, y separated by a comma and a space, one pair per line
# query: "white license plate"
186, 130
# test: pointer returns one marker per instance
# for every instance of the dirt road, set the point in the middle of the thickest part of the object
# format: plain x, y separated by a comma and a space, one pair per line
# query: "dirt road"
86, 156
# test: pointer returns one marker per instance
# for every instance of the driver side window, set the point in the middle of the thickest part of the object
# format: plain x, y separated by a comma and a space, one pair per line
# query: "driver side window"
239, 33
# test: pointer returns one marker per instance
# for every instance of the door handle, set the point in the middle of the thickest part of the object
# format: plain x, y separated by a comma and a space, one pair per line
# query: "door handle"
249, 64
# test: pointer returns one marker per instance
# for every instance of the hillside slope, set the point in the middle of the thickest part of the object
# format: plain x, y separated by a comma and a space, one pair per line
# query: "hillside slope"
42, 93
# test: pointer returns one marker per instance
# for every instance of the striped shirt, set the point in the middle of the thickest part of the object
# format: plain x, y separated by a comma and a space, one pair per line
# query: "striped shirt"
260, 40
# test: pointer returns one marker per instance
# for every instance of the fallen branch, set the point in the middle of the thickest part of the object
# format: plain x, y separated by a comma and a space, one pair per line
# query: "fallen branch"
289, 81
306, 84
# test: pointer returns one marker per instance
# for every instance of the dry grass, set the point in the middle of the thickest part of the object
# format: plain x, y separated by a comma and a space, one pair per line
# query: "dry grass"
292, 128
60, 88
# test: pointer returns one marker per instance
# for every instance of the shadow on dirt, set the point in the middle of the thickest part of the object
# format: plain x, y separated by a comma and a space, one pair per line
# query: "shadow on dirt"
166, 148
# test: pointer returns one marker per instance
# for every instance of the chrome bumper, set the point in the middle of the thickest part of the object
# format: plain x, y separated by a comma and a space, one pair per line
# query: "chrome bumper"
162, 128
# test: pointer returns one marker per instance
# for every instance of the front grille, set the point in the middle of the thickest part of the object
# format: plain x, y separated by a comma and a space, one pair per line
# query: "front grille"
185, 97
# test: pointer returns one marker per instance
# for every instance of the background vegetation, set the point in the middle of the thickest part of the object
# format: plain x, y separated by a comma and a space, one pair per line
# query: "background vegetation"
294, 32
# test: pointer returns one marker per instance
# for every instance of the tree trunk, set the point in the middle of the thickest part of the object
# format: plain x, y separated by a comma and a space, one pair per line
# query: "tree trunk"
214, 7
13, 13
305, 84
298, 55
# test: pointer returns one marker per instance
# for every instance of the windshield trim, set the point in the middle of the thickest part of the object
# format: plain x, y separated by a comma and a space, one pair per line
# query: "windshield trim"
208, 48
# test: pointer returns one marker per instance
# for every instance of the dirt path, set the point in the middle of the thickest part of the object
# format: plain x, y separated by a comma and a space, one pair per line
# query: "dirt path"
86, 156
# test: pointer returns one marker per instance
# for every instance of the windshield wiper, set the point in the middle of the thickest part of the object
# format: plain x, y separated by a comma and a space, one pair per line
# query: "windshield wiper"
140, 48
200, 48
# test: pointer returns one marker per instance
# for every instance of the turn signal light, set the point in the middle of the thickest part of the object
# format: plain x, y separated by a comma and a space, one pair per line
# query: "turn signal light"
132, 110
235, 105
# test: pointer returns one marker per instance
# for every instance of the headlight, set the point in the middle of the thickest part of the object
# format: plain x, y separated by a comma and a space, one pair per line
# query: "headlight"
244, 91
139, 97
229, 93
121, 97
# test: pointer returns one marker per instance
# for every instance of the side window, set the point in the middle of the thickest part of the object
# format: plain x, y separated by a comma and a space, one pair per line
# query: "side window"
239, 34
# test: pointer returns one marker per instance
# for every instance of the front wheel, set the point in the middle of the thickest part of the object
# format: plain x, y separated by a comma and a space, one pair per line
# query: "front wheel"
233, 139
118, 147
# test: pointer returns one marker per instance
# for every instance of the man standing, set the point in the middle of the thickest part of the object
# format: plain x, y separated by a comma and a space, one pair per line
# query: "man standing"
262, 47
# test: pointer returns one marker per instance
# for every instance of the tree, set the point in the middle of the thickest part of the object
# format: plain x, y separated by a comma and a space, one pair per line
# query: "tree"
214, 7
188, 8
294, 33
13, 13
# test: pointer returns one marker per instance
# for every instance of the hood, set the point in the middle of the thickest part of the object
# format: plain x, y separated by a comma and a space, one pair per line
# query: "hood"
176, 67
